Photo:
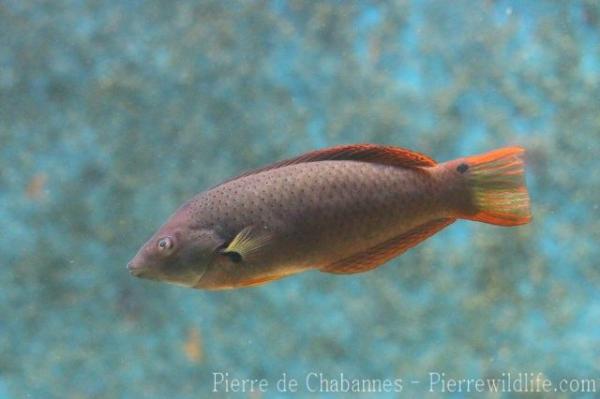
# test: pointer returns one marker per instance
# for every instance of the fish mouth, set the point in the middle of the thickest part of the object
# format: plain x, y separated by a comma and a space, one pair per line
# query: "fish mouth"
136, 273
136, 270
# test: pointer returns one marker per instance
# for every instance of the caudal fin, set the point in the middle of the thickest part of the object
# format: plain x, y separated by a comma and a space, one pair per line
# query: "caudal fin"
496, 183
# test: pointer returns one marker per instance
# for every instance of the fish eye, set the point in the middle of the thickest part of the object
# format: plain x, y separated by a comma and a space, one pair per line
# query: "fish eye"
164, 244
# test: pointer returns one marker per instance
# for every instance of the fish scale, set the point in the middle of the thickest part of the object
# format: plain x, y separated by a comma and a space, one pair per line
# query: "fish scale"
334, 206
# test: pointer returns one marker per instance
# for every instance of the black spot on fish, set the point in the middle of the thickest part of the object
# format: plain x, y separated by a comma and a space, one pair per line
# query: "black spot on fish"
462, 168
233, 256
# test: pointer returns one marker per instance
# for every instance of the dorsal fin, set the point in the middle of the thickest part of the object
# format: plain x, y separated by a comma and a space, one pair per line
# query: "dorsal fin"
372, 153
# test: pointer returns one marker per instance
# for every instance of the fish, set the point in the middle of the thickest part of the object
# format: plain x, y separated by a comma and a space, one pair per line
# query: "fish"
343, 210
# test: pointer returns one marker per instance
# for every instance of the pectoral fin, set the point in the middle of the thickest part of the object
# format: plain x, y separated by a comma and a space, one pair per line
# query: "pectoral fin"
247, 244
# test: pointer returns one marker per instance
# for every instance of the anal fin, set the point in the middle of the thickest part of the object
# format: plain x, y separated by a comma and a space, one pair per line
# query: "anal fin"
381, 253
253, 282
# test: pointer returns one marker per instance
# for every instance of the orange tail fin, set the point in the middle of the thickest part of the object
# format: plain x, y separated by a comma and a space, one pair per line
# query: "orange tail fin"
497, 184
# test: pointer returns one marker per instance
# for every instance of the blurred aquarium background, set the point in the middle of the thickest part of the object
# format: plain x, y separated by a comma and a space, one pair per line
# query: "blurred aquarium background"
112, 113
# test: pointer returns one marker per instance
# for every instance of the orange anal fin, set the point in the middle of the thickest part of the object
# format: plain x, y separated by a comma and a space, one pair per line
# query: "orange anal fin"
253, 282
381, 253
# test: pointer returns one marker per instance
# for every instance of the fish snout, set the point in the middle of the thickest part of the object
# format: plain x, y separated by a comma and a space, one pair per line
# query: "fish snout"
136, 268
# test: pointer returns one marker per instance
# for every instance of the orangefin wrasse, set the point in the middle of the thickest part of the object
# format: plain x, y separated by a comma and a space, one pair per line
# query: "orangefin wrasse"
345, 209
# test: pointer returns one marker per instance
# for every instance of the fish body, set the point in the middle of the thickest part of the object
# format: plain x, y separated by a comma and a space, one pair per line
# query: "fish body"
343, 210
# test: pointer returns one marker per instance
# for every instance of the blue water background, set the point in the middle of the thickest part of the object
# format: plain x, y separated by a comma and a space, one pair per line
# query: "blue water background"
113, 113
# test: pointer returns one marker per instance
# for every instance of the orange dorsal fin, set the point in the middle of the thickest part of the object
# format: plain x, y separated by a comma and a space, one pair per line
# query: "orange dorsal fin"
372, 153
381, 253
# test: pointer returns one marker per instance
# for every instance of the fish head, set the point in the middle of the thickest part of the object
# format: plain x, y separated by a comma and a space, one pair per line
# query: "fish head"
177, 253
